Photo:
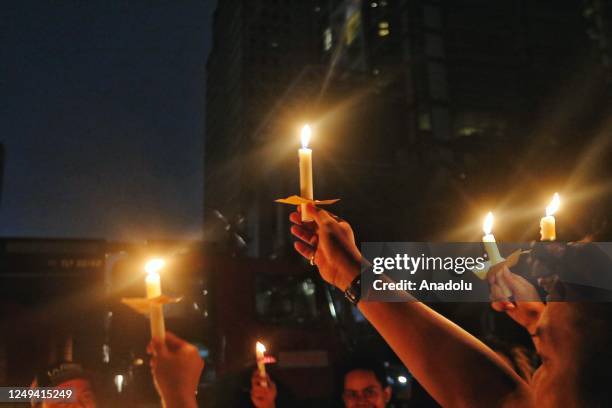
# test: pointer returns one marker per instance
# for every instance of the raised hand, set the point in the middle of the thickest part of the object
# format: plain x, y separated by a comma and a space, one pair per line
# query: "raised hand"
263, 391
176, 366
330, 244
525, 307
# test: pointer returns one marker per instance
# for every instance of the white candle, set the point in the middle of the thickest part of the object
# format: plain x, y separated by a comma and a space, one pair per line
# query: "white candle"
547, 223
489, 241
305, 158
153, 285
260, 351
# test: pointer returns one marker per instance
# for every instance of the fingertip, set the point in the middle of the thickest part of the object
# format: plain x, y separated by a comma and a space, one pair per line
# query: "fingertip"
299, 245
302, 249
311, 210
295, 218
156, 342
173, 341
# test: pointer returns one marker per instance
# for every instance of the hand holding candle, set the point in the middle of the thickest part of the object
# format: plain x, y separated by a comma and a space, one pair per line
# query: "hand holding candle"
547, 224
260, 351
489, 241
153, 284
305, 158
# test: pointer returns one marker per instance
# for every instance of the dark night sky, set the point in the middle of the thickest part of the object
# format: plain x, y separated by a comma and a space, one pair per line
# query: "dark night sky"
102, 118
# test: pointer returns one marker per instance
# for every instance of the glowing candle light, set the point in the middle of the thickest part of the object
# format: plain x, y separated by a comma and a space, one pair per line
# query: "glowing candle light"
260, 351
153, 285
305, 158
489, 241
547, 224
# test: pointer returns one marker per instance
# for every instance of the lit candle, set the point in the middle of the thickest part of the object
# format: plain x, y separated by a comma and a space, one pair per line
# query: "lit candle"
305, 156
153, 284
547, 224
260, 351
489, 241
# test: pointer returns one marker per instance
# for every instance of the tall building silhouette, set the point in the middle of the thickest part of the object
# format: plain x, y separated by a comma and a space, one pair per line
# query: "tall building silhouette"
410, 101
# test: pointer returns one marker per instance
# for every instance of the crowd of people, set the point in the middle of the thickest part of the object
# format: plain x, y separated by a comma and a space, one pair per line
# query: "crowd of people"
571, 331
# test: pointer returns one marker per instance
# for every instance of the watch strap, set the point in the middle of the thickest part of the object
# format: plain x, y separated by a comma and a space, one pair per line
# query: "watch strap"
353, 292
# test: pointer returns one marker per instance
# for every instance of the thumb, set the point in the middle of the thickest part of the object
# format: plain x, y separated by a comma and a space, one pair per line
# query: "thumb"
173, 341
502, 284
520, 287
318, 215
157, 346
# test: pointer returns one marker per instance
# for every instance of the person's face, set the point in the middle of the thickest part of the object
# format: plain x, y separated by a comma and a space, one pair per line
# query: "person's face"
363, 390
84, 395
558, 343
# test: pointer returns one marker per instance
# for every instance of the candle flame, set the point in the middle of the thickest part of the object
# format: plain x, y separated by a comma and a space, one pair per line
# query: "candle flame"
260, 347
154, 265
554, 205
487, 226
306, 133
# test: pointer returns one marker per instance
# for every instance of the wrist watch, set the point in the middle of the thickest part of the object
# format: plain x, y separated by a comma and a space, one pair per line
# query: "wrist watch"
353, 292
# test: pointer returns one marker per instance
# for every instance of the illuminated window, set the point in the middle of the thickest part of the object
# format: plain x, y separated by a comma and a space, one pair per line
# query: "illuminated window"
424, 121
468, 131
383, 29
327, 39
374, 4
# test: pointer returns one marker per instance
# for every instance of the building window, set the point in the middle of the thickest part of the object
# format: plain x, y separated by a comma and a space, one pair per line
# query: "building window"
432, 17
468, 131
383, 29
424, 121
353, 25
437, 81
327, 39
441, 123
434, 45
286, 300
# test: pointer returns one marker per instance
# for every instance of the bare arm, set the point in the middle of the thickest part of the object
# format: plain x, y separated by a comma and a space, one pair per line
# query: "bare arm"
454, 367
451, 364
